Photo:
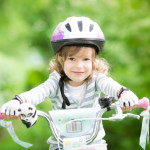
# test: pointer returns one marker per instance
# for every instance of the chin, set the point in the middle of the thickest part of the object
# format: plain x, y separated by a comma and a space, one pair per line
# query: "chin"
78, 81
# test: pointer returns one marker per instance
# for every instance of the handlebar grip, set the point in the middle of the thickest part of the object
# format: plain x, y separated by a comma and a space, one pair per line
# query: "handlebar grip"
143, 103
1, 116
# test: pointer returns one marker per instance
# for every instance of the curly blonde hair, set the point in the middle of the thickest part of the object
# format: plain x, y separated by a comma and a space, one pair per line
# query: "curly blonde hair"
99, 65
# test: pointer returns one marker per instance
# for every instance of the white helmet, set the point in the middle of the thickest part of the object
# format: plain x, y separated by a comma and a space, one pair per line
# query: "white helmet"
78, 31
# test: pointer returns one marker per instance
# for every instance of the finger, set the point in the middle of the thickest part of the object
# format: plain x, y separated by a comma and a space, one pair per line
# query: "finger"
7, 111
123, 108
12, 112
122, 104
17, 113
135, 100
126, 103
131, 103
3, 110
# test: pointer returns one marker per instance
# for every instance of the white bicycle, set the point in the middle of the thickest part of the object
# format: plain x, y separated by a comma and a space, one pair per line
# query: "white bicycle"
69, 127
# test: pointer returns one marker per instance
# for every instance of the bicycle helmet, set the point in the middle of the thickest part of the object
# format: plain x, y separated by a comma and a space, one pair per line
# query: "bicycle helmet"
78, 31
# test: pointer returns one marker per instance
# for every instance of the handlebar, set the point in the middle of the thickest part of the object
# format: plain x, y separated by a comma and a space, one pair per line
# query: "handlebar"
143, 103
1, 116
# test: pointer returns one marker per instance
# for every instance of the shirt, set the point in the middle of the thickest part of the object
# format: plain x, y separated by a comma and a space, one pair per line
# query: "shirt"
99, 83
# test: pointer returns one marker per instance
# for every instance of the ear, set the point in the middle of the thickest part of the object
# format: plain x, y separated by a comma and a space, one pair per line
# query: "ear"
19, 110
34, 114
30, 108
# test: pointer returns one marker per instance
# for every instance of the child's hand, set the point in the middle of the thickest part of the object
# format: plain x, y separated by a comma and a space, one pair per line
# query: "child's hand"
128, 100
10, 109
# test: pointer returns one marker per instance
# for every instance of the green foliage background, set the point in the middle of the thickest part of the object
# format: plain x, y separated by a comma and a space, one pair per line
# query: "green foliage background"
25, 30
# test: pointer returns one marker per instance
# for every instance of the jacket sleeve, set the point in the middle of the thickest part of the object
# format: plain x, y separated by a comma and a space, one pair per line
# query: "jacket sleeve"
107, 85
43, 91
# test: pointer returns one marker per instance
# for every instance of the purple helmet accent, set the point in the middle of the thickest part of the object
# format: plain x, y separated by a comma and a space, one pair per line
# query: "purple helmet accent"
78, 31
58, 34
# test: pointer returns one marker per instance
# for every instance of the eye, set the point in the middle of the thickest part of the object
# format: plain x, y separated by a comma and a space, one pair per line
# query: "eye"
71, 58
23, 115
86, 59
29, 115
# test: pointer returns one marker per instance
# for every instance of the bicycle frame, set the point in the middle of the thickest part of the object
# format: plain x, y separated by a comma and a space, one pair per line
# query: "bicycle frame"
118, 116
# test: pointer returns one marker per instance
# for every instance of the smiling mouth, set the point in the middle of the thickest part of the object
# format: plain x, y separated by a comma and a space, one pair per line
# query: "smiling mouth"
79, 73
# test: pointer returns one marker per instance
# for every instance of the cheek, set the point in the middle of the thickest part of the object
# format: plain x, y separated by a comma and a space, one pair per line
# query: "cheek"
89, 67
66, 66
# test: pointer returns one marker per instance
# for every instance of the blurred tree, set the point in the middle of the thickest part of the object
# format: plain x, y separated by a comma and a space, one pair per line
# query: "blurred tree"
25, 51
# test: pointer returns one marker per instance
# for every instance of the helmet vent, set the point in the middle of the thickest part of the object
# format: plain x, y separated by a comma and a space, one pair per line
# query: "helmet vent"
91, 27
80, 25
68, 27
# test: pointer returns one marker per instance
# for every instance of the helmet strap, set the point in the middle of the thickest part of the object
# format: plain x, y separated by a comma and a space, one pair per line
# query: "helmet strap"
65, 99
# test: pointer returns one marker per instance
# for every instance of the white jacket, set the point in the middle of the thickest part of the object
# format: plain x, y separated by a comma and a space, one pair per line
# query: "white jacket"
50, 89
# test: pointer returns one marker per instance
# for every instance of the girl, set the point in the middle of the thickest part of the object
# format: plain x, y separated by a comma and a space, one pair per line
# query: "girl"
77, 77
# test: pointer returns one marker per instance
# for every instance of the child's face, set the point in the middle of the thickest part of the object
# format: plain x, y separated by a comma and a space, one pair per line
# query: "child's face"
79, 66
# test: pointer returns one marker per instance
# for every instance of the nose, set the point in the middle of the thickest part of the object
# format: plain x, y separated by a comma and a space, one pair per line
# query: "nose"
79, 64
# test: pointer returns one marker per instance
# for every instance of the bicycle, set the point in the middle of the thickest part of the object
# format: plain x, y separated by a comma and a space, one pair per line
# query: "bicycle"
73, 125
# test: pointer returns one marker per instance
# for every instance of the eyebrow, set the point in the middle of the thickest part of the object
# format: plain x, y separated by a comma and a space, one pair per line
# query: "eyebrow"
80, 56
87, 56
